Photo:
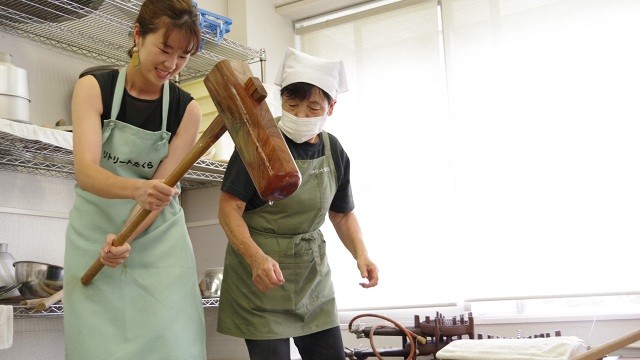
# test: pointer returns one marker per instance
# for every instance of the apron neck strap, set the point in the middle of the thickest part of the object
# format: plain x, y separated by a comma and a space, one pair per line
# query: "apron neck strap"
119, 92
165, 105
327, 146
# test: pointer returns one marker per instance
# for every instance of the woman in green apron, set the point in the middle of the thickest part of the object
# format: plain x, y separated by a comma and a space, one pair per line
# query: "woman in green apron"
277, 281
130, 129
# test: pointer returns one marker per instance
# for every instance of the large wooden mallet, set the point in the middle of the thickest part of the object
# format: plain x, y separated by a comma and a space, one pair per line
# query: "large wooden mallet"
239, 97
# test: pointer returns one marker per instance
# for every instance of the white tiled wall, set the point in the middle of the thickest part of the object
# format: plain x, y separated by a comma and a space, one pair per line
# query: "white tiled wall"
33, 216
207, 237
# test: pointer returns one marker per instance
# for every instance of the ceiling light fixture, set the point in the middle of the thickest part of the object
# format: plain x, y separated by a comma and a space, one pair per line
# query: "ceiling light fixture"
342, 12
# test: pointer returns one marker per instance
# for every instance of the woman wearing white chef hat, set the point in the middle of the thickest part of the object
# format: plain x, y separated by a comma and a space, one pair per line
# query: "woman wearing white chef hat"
277, 280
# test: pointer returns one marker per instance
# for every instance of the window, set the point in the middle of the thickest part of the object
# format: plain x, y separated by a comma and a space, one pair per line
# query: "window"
401, 165
495, 157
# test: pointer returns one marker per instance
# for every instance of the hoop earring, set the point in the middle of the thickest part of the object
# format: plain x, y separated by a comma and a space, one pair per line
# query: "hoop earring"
135, 57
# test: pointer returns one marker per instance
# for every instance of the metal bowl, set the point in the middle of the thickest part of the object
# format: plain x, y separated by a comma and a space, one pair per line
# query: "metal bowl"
211, 283
38, 280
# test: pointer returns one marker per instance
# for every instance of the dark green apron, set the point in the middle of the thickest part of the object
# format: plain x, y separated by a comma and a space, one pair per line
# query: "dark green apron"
289, 232
150, 307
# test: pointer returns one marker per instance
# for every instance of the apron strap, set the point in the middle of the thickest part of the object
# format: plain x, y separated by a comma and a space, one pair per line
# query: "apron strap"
315, 250
165, 105
313, 238
327, 147
117, 94
327, 153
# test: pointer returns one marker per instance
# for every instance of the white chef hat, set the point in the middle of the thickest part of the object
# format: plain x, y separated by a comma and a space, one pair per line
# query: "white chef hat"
328, 75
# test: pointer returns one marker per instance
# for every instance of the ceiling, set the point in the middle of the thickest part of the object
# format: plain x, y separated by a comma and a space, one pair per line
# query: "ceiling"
295, 10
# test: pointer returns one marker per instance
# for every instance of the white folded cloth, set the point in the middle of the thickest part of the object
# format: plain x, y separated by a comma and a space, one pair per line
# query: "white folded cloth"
55, 137
551, 348
6, 326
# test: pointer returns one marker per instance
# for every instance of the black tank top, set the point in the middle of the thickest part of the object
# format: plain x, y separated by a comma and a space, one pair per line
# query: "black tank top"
145, 114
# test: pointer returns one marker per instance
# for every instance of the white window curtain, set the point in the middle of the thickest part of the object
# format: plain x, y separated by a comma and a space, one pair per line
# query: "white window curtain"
510, 169
392, 123
546, 126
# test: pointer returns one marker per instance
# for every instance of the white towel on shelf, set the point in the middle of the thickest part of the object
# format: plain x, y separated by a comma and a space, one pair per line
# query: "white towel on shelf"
551, 348
6, 326
55, 137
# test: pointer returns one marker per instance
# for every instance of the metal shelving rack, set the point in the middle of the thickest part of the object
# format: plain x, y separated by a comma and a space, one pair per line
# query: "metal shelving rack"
20, 311
100, 30
39, 158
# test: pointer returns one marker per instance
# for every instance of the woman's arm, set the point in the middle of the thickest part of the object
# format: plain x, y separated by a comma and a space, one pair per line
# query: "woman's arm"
266, 271
348, 230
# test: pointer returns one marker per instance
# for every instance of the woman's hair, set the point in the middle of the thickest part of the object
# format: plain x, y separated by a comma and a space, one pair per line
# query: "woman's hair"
169, 16
302, 91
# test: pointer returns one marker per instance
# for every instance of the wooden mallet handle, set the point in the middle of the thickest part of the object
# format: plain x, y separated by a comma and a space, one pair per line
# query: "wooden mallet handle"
213, 132
603, 350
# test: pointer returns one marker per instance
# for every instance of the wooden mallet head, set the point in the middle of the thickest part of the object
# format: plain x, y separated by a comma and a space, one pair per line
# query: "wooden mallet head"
239, 97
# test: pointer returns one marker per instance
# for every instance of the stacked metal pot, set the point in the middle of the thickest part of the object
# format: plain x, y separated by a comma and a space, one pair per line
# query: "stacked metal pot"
14, 91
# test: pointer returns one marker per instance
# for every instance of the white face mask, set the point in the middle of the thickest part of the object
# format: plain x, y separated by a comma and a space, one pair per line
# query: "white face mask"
301, 129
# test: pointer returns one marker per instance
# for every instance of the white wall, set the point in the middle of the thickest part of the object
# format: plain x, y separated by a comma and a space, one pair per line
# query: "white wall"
34, 215
264, 30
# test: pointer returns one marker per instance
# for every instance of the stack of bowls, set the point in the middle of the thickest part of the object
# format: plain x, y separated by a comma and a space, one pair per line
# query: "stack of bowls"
37, 279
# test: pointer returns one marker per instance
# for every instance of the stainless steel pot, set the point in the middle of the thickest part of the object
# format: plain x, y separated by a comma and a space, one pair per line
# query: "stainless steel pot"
211, 283
14, 91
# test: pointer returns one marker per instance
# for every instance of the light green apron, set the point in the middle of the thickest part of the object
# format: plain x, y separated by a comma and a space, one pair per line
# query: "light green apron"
150, 307
289, 232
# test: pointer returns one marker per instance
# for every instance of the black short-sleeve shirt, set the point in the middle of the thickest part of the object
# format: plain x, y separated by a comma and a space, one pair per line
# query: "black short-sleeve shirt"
238, 183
